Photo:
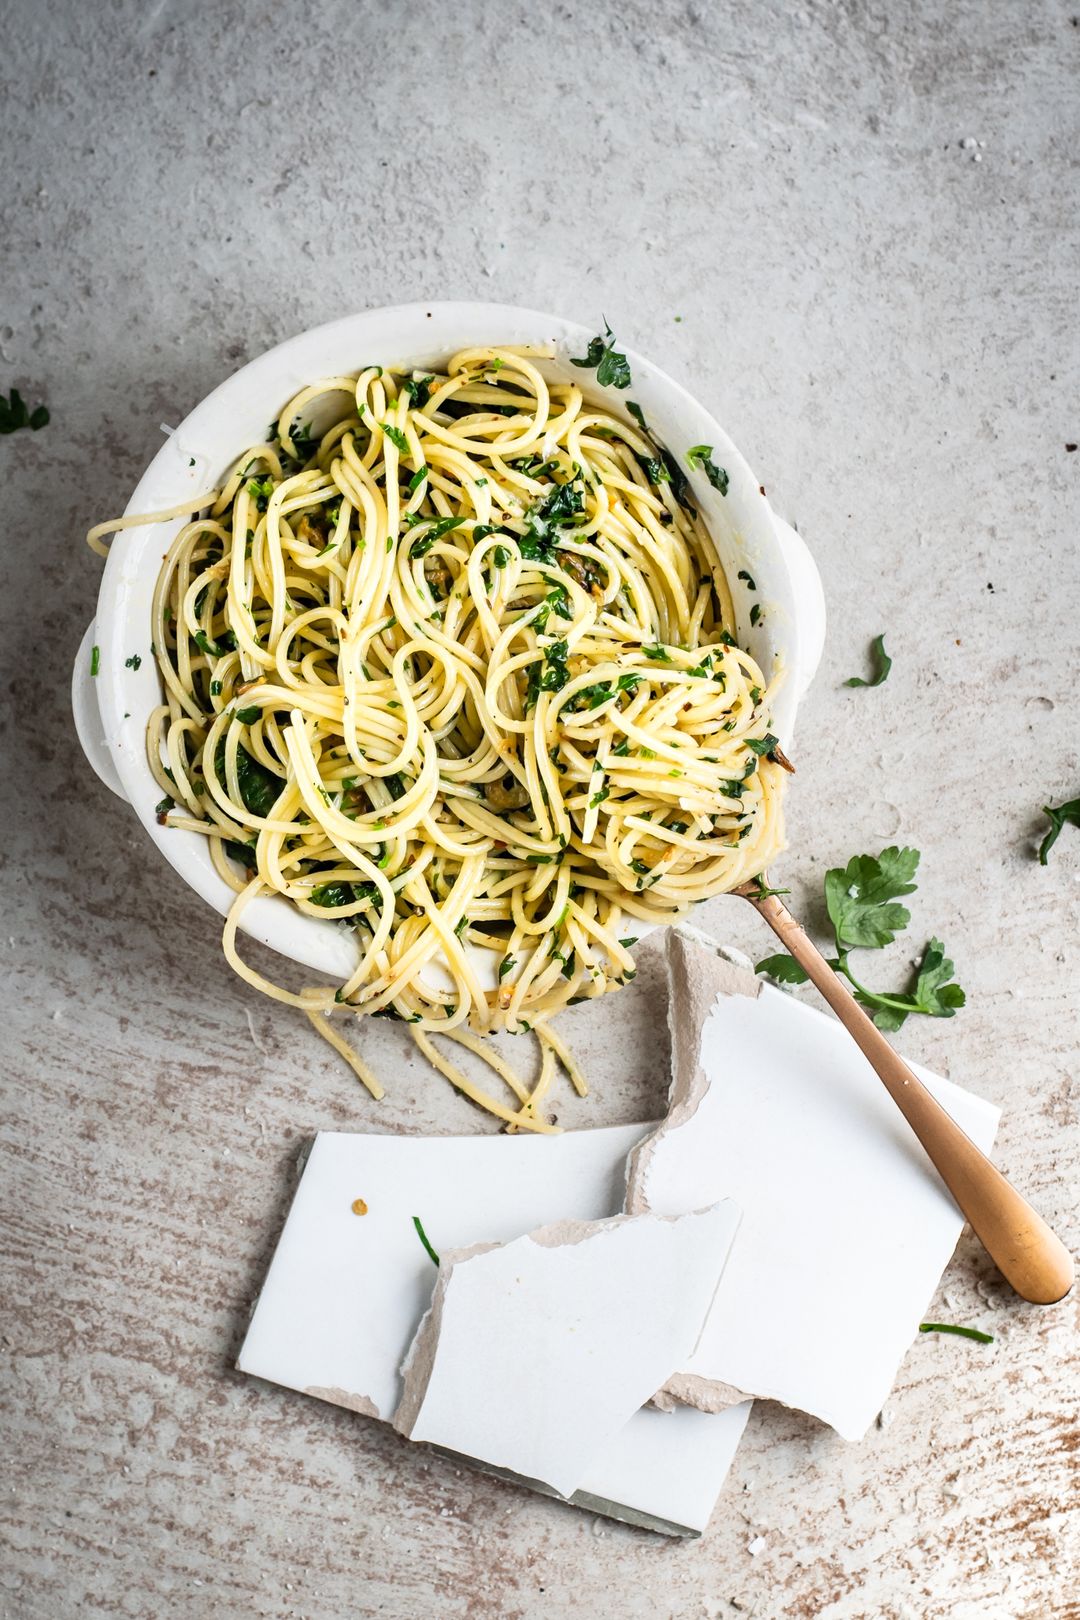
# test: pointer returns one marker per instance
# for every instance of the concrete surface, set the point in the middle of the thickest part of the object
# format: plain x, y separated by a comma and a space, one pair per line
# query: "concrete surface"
784, 206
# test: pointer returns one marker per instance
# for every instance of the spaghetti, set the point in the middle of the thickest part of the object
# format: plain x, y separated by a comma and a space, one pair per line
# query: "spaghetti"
446, 660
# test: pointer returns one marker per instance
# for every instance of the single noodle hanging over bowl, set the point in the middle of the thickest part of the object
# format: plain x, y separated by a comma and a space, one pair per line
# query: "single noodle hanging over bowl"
458, 671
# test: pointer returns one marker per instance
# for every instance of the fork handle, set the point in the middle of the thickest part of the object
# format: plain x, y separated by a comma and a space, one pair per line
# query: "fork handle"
1026, 1252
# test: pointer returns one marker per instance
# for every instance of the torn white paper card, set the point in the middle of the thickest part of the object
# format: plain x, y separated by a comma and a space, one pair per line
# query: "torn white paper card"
536, 1353
345, 1293
846, 1225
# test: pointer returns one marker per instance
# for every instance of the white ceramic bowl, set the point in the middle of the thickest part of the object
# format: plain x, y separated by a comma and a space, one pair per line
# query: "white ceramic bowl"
111, 710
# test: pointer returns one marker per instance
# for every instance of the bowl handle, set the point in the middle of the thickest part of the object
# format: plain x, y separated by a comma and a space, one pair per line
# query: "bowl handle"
810, 598
84, 707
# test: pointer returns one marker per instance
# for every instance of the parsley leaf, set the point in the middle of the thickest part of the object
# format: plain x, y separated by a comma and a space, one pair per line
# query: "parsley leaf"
612, 367
859, 897
395, 436
700, 455
882, 665
1059, 815
783, 968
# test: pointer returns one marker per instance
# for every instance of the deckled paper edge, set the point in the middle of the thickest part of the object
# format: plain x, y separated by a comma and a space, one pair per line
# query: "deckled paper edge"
419, 1362
692, 995
343, 1397
419, 1359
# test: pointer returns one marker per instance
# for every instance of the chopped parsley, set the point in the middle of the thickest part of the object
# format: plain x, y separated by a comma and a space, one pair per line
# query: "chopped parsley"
417, 479
134, 662
657, 653
212, 650
441, 526
700, 455
747, 579
422, 1235
755, 613
507, 965
562, 505
95, 660
418, 390
548, 674
962, 1332
259, 787
612, 367
261, 489
248, 716
654, 469
882, 665
15, 415
395, 436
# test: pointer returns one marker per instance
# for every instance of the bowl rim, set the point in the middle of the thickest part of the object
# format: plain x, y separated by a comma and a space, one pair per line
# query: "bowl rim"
173, 473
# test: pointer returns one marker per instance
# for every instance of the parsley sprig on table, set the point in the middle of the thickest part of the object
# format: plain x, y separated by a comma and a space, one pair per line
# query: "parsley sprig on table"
861, 899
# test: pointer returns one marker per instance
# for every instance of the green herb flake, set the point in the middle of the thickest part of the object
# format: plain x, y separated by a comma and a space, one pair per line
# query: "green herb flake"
419, 548
261, 489
961, 1332
882, 665
700, 455
95, 660
248, 716
134, 662
422, 1235
1059, 815
611, 366
15, 415
395, 436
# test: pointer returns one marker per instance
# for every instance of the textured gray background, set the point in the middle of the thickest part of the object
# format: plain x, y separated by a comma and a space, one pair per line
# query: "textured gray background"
884, 317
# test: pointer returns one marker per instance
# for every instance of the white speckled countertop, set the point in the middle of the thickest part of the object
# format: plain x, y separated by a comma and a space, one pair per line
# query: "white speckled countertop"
853, 230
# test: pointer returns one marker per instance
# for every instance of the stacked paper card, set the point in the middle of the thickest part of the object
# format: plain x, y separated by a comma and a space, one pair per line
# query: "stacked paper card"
782, 1184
